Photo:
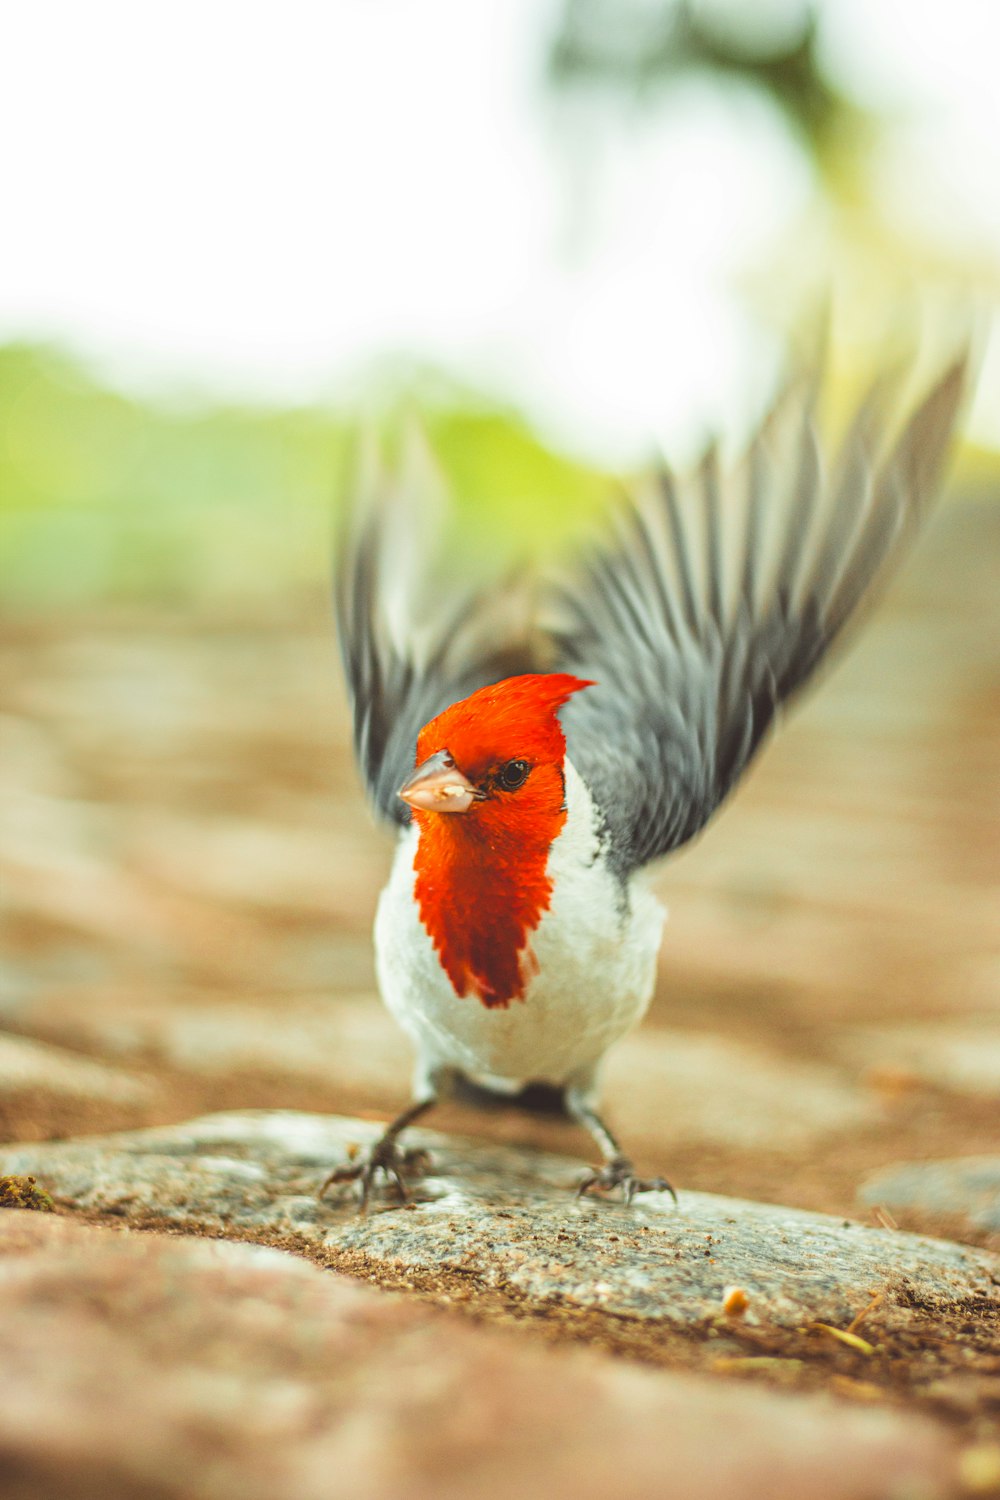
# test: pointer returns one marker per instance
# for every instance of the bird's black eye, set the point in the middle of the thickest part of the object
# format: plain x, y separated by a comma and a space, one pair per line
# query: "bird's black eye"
513, 775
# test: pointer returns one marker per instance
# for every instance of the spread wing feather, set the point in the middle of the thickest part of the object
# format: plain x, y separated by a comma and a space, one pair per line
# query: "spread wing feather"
715, 601
411, 644
711, 603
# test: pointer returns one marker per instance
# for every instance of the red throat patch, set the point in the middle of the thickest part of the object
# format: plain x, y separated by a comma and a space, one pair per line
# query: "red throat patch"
482, 885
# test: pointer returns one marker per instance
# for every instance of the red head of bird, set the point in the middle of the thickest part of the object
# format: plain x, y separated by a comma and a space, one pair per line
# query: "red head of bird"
488, 798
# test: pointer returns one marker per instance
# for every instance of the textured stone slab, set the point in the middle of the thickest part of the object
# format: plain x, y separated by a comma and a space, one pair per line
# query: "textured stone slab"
963, 1054
135, 1366
662, 1084
966, 1190
673, 1085
499, 1218
27, 1066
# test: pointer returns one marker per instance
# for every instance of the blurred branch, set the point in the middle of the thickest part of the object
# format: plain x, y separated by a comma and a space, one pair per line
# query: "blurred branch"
644, 47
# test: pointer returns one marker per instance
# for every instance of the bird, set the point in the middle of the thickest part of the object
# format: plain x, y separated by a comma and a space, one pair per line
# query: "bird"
537, 743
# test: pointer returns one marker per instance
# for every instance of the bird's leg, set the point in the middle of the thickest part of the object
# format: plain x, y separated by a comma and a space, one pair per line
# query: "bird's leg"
386, 1157
430, 1081
617, 1171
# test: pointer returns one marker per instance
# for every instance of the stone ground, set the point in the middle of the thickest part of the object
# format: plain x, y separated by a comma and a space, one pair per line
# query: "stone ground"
189, 881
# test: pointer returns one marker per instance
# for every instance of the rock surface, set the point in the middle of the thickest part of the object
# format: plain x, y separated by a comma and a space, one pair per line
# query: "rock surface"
493, 1218
145, 1366
720, 1090
966, 1190
962, 1054
27, 1066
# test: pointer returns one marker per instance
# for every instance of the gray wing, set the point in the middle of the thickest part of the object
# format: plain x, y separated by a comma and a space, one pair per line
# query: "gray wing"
413, 643
715, 601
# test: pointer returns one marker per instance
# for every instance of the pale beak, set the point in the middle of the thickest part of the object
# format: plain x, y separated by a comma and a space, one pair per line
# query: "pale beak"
439, 786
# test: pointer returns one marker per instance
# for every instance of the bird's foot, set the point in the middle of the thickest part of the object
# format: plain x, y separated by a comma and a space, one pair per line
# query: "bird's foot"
618, 1173
385, 1157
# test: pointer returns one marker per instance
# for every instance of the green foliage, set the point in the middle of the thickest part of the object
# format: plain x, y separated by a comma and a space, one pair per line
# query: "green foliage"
643, 47
519, 496
103, 495
106, 496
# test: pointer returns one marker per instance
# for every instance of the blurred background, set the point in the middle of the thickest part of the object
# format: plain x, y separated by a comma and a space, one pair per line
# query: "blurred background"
570, 235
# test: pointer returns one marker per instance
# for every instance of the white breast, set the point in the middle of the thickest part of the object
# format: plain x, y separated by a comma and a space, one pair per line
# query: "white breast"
596, 951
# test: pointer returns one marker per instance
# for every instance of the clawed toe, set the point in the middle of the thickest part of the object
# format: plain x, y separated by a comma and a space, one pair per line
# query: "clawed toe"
618, 1173
385, 1157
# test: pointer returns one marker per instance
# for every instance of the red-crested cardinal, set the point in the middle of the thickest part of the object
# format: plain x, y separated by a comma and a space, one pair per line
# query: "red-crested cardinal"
533, 771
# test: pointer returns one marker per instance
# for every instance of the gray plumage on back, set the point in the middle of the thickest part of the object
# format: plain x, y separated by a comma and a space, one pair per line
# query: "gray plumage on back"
710, 605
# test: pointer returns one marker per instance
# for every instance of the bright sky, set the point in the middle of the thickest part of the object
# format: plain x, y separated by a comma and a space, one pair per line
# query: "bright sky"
272, 199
